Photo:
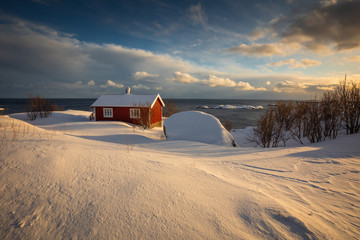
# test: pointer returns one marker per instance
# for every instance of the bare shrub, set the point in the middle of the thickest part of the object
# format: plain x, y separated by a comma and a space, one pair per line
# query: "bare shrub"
348, 97
264, 129
274, 127
283, 122
315, 120
39, 107
330, 110
288, 120
227, 124
145, 116
312, 121
298, 116
31, 109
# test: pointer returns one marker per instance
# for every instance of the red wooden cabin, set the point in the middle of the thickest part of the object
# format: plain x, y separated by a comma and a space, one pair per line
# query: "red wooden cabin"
144, 110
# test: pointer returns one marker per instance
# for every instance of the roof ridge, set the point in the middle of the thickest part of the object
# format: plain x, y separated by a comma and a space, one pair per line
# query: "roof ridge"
127, 100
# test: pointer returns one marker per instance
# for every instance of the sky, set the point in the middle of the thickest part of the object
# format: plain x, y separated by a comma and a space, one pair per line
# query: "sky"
222, 49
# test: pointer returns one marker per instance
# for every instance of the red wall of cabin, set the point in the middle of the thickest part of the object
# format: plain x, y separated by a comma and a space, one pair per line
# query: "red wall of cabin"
123, 114
156, 112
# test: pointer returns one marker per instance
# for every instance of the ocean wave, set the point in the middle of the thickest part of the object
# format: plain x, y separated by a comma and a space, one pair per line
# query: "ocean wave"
249, 107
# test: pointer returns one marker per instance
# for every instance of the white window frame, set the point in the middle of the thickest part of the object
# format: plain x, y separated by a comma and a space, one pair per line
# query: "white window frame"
135, 113
108, 112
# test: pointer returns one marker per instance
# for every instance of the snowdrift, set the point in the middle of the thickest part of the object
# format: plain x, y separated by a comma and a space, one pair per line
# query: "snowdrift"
100, 180
198, 127
57, 117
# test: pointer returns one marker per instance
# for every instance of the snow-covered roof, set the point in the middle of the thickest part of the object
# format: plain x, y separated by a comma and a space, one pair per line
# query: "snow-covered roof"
126, 100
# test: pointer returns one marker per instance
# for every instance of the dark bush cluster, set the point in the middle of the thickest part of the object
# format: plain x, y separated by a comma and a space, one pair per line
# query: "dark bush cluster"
314, 120
39, 107
227, 124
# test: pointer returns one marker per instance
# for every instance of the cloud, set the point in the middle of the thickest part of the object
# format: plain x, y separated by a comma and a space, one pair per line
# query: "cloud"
140, 86
215, 81
91, 83
245, 86
329, 26
288, 86
352, 59
281, 63
304, 63
257, 33
327, 3
326, 27
44, 60
309, 63
197, 14
37, 59
128, 59
141, 75
326, 88
184, 78
110, 83
302, 87
259, 50
30, 48
212, 81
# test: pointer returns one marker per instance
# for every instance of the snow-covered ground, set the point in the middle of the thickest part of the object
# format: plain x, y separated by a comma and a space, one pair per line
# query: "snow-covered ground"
69, 178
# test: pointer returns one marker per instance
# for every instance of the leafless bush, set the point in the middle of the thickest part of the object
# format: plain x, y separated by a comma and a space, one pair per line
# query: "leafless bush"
283, 122
288, 120
298, 118
144, 119
315, 120
348, 96
274, 127
38, 106
145, 115
227, 124
330, 110
264, 130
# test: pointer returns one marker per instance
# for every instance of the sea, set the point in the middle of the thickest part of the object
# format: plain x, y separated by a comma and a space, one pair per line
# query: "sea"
241, 113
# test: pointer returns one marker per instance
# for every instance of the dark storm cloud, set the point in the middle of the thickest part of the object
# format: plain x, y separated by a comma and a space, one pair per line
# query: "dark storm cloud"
327, 24
30, 48
42, 60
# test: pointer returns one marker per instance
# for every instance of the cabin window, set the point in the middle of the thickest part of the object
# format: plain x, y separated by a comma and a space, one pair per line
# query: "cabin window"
108, 112
134, 113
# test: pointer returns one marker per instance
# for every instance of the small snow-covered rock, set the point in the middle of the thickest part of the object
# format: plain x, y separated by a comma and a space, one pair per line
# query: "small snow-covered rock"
198, 127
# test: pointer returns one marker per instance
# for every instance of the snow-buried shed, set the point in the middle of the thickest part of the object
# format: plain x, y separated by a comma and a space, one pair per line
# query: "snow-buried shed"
198, 127
144, 110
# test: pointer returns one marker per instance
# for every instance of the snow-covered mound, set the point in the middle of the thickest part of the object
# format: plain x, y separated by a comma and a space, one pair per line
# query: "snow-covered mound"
57, 117
198, 127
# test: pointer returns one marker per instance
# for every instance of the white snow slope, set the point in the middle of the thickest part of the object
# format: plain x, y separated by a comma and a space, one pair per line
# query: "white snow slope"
69, 178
